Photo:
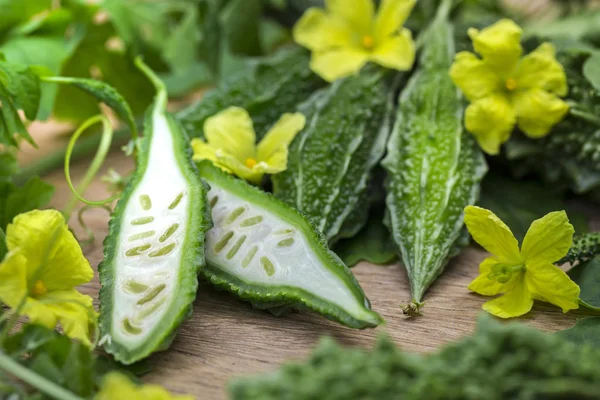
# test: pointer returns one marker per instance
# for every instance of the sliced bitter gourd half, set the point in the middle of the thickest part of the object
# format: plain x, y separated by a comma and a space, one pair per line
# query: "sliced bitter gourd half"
268, 253
155, 244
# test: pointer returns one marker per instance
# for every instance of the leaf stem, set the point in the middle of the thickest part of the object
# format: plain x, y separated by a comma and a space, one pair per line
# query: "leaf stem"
585, 116
39, 382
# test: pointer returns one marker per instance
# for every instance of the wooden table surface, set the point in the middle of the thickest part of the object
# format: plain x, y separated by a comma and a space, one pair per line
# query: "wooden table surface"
226, 338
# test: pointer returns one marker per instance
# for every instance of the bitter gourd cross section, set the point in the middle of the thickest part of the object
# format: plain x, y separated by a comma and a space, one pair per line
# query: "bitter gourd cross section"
434, 166
267, 252
155, 244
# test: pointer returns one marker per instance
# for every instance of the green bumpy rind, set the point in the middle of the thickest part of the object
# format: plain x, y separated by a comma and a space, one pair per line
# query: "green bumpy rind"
331, 160
283, 298
434, 167
267, 89
192, 255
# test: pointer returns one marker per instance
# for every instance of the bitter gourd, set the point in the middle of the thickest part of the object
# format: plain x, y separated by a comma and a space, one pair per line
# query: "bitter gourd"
155, 244
434, 166
331, 160
265, 251
267, 89
584, 247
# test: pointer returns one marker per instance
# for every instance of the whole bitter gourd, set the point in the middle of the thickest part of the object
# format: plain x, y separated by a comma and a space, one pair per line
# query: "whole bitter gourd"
434, 167
155, 244
268, 253
269, 88
331, 160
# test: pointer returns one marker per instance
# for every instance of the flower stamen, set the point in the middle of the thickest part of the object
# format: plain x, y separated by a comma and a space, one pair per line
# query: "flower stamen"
511, 84
38, 289
368, 42
250, 162
502, 273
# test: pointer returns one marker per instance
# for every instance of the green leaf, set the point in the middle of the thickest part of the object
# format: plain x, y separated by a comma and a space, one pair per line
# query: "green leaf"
115, 68
103, 92
15, 200
44, 365
16, 12
240, 21
19, 90
519, 203
48, 52
23, 86
373, 244
8, 161
587, 276
585, 332
591, 70
3, 248
28, 340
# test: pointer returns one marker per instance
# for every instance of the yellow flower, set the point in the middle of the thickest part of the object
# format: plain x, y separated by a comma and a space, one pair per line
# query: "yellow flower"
117, 386
526, 274
231, 144
505, 89
43, 265
348, 35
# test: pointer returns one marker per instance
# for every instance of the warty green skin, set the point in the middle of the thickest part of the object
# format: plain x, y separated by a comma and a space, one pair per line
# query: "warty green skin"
434, 167
192, 254
269, 88
280, 298
331, 160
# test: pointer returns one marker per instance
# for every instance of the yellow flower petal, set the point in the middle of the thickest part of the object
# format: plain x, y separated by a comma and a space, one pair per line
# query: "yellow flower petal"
486, 286
53, 254
13, 278
358, 14
473, 76
339, 63
492, 234
280, 136
117, 386
516, 302
537, 111
541, 70
549, 283
231, 131
318, 31
73, 310
39, 313
548, 238
230, 163
390, 17
499, 45
202, 150
491, 120
396, 52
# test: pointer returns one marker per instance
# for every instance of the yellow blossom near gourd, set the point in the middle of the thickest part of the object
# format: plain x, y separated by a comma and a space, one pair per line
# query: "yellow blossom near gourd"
117, 386
505, 89
230, 144
38, 274
527, 274
348, 35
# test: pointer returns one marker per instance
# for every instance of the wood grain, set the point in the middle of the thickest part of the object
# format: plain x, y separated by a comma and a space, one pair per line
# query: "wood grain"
226, 337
